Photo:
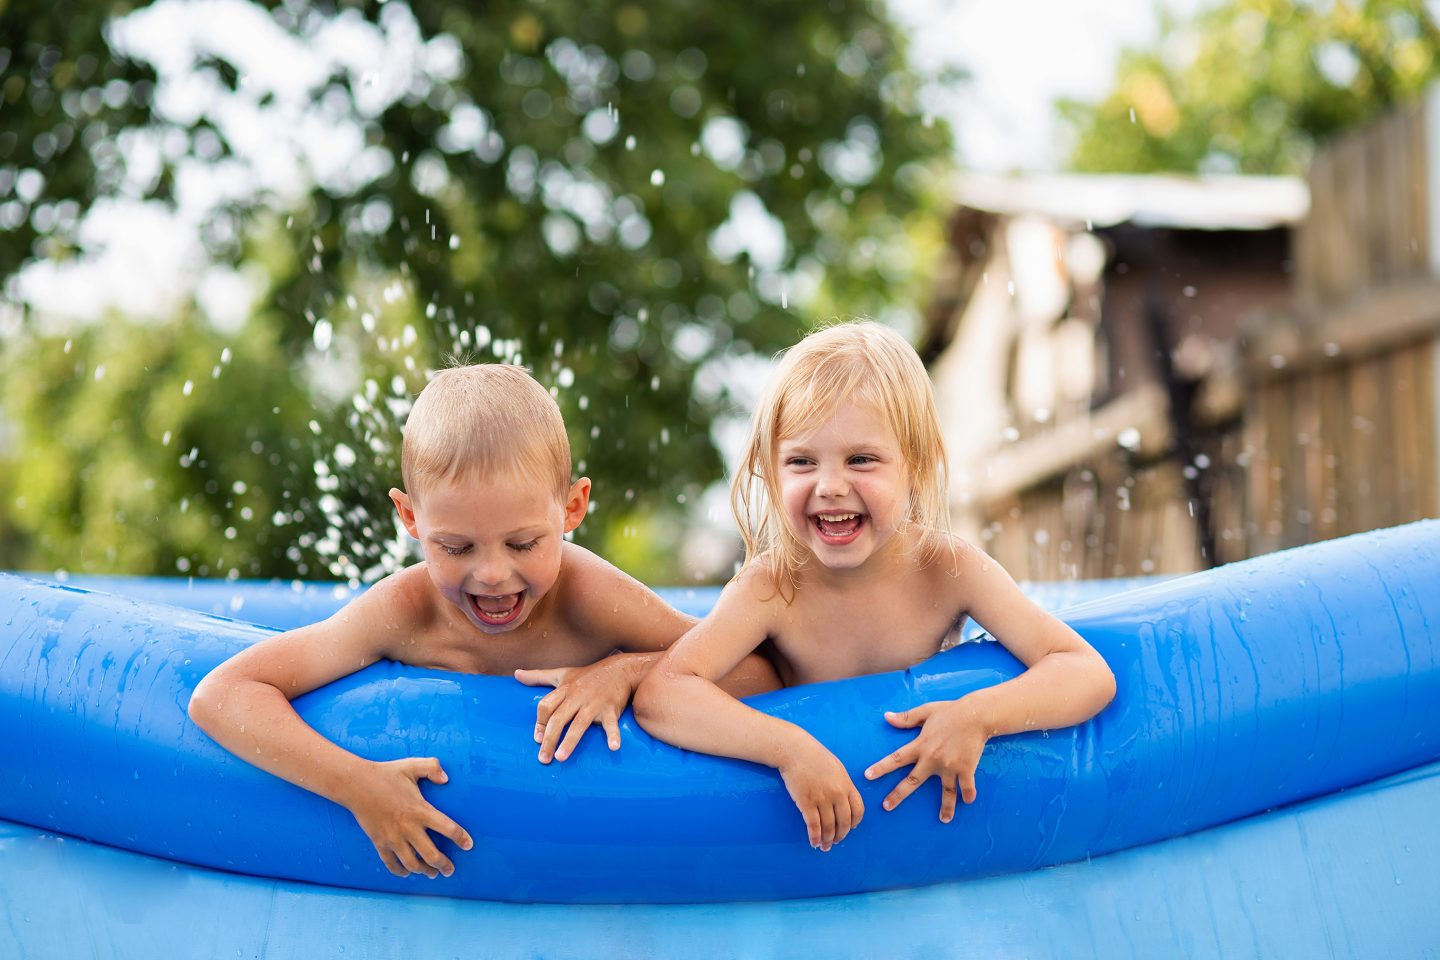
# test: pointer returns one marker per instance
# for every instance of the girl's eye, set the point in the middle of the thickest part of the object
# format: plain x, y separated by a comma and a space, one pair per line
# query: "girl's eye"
525, 547
862, 459
455, 551
799, 462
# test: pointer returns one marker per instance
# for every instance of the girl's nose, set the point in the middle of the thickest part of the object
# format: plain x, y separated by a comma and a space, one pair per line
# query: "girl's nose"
832, 483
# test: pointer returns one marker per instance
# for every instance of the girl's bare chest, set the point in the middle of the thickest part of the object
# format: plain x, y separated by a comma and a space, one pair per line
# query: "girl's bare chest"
829, 641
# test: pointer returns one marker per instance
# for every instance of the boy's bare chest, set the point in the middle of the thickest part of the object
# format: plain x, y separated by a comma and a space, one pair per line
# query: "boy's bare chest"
463, 648
847, 636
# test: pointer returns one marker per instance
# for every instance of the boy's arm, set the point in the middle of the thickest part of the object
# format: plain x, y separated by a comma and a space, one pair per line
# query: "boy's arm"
619, 613
244, 705
679, 702
1065, 682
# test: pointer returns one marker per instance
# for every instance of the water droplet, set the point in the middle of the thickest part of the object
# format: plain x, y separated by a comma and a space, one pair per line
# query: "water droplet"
657, 178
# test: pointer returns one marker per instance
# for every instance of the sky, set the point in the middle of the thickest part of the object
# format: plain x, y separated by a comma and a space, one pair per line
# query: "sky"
1023, 55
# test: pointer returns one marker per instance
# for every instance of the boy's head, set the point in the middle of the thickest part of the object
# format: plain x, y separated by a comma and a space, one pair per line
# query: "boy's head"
486, 464
862, 363
484, 420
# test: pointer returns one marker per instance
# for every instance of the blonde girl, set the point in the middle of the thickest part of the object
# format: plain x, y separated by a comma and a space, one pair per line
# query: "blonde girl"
850, 568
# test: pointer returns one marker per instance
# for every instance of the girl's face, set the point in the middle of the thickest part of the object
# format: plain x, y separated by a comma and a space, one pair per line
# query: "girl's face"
844, 486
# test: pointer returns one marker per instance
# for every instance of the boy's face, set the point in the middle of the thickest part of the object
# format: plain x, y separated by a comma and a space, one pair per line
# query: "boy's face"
492, 545
844, 486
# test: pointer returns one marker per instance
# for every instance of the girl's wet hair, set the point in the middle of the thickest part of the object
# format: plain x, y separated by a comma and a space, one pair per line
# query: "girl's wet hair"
866, 364
486, 419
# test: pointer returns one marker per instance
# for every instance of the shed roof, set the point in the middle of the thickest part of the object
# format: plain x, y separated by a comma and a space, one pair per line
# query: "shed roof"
1148, 200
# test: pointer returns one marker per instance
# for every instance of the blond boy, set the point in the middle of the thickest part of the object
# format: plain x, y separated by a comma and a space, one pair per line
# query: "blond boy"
488, 494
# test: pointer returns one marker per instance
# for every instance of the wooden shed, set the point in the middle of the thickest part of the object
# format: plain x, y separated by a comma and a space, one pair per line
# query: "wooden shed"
1146, 374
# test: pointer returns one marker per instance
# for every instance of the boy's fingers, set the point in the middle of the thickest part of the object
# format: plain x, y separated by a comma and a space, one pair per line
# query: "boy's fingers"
857, 809
967, 787
434, 859
547, 706
577, 729
611, 723
947, 799
541, 678
554, 727
392, 863
448, 828
432, 771
410, 861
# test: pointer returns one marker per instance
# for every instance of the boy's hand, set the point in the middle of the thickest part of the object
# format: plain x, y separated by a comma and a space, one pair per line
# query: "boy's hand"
582, 696
387, 804
949, 747
821, 788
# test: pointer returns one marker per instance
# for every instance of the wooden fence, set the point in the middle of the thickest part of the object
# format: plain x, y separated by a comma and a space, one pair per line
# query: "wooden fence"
1330, 422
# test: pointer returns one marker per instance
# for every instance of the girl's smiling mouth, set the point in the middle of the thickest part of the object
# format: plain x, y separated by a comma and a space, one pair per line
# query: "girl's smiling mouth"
838, 529
496, 611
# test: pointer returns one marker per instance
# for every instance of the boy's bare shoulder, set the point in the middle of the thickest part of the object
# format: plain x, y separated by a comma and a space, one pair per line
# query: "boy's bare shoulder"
599, 600
395, 612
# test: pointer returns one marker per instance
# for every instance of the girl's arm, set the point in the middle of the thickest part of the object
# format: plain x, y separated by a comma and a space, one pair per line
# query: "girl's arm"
244, 705
679, 702
619, 613
1065, 682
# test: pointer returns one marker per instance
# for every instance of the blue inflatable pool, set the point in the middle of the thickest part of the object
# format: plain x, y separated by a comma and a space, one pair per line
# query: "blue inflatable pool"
1278, 682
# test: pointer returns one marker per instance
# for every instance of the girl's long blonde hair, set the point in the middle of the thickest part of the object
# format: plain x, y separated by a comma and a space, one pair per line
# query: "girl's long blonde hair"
864, 363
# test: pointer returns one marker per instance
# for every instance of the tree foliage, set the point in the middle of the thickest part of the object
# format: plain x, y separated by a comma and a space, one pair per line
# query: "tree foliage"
1251, 86
561, 184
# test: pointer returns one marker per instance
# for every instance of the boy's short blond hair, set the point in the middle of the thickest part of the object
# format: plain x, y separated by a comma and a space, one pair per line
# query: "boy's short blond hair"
859, 362
485, 419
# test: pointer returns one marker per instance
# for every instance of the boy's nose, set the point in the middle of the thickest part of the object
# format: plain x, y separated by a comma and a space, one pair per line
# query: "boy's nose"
491, 572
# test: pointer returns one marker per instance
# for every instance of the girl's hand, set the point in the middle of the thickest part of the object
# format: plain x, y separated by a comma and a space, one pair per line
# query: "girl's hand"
582, 696
951, 739
387, 804
823, 792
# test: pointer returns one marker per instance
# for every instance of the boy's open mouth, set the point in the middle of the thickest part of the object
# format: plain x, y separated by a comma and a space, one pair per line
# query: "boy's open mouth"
838, 529
497, 611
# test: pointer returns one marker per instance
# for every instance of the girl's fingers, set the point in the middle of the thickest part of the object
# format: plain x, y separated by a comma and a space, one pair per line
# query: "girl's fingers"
812, 824
967, 786
906, 786
904, 757
827, 826
857, 809
843, 823
947, 799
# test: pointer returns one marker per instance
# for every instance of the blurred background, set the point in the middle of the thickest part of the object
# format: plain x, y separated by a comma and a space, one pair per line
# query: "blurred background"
1174, 267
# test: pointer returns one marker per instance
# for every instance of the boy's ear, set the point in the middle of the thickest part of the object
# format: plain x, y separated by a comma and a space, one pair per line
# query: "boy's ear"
577, 503
406, 509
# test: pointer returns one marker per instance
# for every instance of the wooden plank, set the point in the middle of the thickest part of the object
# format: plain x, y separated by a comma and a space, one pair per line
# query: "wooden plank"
1380, 321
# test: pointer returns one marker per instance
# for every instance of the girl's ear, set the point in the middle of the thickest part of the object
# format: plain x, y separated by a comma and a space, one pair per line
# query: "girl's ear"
577, 503
406, 509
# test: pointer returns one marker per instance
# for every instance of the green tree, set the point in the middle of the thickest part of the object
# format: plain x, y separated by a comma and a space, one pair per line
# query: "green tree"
560, 184
1251, 86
